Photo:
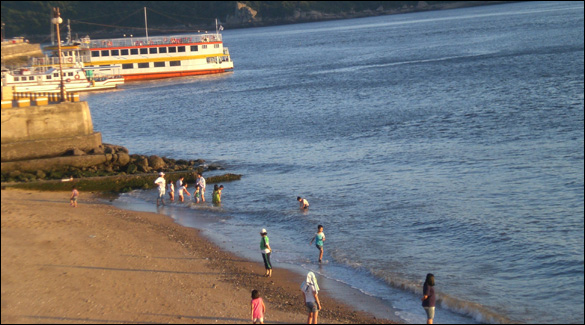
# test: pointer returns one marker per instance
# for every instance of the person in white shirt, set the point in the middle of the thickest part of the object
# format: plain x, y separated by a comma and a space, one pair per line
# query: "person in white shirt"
310, 289
303, 203
201, 183
162, 184
180, 189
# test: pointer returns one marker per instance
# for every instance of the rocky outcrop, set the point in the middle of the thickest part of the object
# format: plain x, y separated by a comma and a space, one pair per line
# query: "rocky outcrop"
243, 15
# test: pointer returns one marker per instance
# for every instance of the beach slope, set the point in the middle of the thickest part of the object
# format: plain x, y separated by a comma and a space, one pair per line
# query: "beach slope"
99, 264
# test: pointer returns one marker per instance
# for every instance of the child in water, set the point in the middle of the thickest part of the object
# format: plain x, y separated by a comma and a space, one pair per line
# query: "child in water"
217, 194
319, 239
197, 194
258, 309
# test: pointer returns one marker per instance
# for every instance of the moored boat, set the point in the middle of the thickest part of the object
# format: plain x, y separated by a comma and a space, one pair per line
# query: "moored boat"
75, 79
149, 57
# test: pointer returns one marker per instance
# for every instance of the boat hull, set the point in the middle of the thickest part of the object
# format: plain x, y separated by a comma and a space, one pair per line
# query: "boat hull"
171, 74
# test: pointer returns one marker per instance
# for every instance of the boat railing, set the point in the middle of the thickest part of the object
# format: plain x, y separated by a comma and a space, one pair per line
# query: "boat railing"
158, 40
47, 62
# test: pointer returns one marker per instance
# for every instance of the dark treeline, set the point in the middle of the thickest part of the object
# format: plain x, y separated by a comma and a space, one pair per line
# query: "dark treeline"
32, 18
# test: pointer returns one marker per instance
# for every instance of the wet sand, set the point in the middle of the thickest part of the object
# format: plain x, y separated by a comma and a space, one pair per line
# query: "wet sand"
100, 264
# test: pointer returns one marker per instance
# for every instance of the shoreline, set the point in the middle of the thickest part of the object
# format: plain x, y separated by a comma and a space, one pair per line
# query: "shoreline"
101, 263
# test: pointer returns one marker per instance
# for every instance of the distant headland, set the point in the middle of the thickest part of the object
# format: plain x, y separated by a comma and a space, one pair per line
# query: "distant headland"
30, 19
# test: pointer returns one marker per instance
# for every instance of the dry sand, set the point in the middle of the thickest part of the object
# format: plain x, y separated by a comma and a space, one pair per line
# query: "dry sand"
99, 264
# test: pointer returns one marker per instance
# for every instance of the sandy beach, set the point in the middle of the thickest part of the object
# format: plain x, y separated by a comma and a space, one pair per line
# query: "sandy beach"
99, 264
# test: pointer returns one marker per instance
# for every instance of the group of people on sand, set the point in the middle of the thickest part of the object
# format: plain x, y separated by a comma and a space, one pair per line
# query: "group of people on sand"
181, 189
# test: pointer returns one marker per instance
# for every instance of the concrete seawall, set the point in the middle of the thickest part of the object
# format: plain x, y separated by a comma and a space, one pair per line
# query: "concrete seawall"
46, 131
11, 51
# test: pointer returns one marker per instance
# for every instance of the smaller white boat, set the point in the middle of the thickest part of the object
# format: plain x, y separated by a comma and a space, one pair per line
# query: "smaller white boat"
75, 79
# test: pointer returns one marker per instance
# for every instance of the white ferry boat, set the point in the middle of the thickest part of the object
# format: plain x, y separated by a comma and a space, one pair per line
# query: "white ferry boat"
149, 57
75, 79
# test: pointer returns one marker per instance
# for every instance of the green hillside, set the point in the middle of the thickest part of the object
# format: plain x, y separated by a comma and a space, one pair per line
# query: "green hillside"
32, 18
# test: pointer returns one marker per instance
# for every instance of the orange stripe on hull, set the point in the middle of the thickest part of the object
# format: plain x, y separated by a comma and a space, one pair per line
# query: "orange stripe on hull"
161, 75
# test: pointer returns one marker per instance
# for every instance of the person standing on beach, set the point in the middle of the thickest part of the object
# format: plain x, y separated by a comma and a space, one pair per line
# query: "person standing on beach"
160, 181
266, 251
303, 203
310, 290
201, 182
428, 299
73, 198
320, 238
258, 309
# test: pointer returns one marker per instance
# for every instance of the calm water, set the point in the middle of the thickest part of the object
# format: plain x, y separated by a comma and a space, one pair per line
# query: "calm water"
447, 142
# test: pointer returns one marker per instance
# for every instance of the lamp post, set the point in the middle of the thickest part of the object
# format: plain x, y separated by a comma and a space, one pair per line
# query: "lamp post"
58, 20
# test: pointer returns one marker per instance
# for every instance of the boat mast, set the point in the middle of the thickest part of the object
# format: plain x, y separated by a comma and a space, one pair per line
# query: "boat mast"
146, 25
68, 31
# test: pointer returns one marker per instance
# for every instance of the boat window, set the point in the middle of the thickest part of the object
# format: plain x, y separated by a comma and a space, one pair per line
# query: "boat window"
56, 75
16, 78
143, 65
152, 50
95, 54
134, 51
143, 51
216, 46
162, 50
181, 49
204, 46
70, 74
124, 52
105, 52
194, 48
159, 64
172, 49
31, 78
115, 52
48, 77
174, 63
128, 66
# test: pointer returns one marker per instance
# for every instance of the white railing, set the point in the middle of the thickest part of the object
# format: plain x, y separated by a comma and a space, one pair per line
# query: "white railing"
158, 40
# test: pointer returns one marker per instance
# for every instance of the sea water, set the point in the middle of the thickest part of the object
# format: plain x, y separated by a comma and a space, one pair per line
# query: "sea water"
446, 142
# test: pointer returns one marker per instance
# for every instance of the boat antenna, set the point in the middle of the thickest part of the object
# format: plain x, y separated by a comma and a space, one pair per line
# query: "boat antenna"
216, 31
146, 24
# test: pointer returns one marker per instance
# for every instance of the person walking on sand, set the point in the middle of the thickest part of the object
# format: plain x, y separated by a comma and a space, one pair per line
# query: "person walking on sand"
171, 188
73, 198
258, 309
161, 183
303, 203
266, 251
319, 238
201, 182
310, 290
428, 299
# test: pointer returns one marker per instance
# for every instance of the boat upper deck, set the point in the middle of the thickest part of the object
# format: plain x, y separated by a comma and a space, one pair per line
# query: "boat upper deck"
146, 41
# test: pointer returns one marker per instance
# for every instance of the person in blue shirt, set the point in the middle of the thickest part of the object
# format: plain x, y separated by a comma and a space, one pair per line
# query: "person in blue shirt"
319, 239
